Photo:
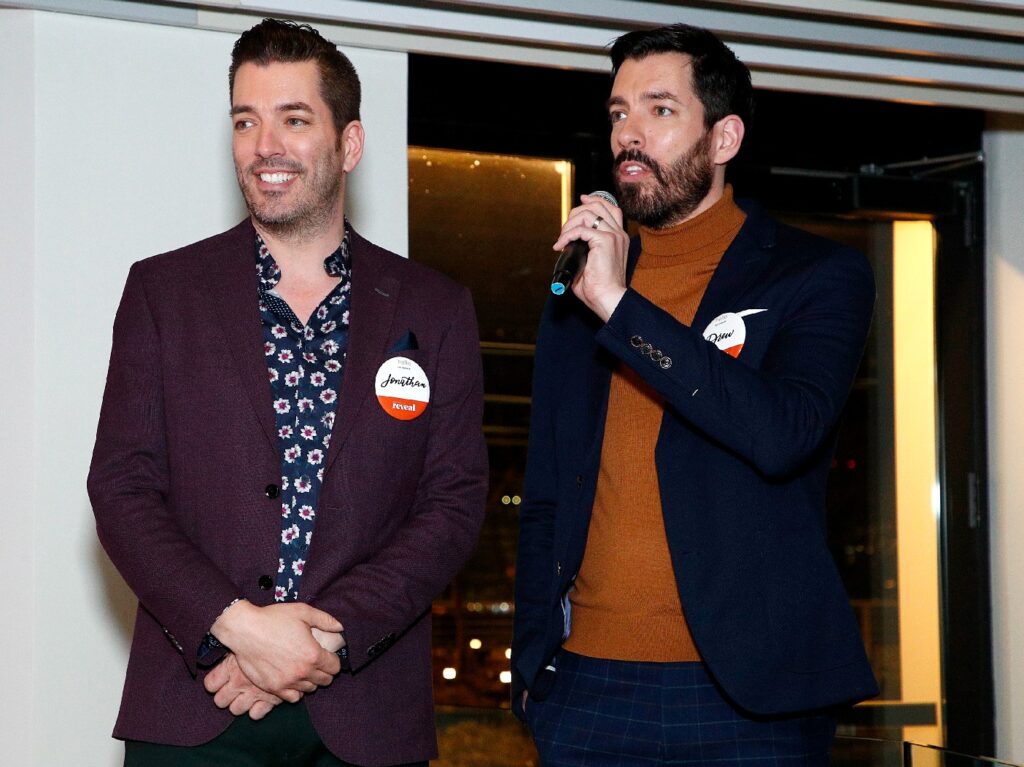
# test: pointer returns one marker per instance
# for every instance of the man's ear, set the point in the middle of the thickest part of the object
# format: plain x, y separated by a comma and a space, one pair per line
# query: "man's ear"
727, 137
351, 143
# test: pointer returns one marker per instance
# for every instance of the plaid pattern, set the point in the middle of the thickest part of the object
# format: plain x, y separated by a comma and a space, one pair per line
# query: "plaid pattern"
607, 713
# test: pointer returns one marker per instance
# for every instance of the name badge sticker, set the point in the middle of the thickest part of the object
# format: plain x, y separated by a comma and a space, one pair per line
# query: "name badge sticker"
402, 388
729, 332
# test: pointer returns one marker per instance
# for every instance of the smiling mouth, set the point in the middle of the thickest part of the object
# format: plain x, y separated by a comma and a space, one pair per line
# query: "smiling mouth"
276, 177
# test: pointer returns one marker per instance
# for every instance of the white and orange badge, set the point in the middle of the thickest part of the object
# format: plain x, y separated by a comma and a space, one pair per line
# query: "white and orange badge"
402, 388
729, 332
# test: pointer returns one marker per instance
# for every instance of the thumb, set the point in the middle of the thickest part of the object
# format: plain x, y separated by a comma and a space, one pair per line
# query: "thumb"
321, 620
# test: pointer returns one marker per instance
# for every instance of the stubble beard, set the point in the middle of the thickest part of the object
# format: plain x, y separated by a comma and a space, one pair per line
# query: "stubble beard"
313, 210
672, 194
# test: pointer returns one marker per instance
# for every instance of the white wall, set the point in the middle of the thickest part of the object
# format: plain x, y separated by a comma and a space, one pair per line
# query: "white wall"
117, 146
1004, 203
17, 439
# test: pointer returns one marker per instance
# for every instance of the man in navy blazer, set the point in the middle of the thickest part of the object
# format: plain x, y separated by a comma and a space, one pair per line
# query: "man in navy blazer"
289, 465
675, 598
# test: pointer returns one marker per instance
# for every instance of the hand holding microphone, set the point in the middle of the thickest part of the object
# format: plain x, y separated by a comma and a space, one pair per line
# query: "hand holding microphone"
573, 257
593, 234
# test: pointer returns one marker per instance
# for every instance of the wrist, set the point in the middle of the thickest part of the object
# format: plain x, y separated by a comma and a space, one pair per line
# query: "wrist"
606, 303
228, 624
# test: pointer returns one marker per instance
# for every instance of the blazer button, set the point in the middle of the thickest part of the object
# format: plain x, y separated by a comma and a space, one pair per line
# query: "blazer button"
272, 491
558, 568
579, 480
266, 582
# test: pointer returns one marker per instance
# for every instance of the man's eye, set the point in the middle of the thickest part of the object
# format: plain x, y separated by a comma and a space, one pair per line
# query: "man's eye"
662, 111
243, 124
296, 122
616, 116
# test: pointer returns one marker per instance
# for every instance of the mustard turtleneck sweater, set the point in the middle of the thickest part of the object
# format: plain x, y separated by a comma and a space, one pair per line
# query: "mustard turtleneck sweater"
626, 605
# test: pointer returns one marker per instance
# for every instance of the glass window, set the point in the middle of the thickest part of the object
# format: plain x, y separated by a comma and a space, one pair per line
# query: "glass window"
488, 220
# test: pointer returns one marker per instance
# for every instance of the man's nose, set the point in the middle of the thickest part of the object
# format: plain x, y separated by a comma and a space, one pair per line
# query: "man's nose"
268, 142
630, 134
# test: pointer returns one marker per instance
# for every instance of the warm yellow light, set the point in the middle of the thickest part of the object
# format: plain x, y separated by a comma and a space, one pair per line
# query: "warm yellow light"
564, 169
914, 408
475, 644
505, 677
516, 500
449, 673
506, 500
508, 652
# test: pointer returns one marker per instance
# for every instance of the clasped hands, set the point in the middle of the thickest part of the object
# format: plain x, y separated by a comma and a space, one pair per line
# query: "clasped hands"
278, 652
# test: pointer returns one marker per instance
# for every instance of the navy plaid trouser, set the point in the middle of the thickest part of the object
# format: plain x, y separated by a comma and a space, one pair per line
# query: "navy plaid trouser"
607, 713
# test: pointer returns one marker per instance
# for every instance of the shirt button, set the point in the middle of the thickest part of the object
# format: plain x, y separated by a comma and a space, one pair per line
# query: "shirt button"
558, 568
265, 582
272, 491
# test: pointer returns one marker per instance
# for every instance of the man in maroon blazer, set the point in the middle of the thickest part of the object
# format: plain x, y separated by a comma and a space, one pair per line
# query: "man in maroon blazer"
286, 537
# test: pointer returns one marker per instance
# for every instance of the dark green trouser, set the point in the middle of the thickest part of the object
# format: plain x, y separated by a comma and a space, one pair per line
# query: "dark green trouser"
284, 738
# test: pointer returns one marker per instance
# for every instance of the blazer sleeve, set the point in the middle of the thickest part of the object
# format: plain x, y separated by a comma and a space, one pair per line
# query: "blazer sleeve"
129, 486
779, 414
377, 600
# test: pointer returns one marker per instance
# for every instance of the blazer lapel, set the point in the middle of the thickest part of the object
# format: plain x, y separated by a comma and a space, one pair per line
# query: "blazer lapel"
375, 294
231, 287
739, 270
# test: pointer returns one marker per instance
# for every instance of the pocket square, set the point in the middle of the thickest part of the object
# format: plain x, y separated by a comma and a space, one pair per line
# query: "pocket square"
406, 343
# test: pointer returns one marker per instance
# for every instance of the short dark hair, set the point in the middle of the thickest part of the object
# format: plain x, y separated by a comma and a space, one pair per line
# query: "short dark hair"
720, 80
275, 40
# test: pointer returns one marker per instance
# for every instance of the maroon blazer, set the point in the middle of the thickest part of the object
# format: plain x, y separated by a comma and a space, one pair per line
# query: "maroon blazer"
185, 451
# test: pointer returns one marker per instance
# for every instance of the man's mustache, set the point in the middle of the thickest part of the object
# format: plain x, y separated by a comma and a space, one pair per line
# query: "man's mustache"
273, 163
635, 155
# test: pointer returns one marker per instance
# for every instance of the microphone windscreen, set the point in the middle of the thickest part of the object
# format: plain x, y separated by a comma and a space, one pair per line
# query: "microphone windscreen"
606, 196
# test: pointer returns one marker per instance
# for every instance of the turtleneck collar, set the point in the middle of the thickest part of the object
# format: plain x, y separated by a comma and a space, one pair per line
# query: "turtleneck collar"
709, 233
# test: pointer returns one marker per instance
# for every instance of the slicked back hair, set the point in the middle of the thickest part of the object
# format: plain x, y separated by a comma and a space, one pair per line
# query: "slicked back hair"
720, 81
277, 41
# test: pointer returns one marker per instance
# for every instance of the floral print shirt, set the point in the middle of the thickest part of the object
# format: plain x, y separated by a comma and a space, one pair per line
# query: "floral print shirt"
305, 365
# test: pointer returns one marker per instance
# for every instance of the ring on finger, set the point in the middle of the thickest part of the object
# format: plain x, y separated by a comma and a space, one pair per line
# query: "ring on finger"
597, 221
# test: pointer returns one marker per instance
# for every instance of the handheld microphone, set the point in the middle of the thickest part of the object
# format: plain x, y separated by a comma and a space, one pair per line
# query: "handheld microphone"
573, 257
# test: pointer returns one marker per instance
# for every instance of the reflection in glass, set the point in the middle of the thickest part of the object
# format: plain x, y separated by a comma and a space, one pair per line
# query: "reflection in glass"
488, 221
882, 518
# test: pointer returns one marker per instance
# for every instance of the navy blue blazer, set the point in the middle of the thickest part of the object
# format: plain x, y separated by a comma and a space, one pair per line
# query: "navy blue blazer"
742, 458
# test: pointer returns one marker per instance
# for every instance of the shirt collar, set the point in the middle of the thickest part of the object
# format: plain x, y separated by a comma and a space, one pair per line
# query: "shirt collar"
337, 264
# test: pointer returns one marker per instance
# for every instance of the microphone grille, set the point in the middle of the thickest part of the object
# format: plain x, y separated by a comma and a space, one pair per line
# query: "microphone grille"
606, 196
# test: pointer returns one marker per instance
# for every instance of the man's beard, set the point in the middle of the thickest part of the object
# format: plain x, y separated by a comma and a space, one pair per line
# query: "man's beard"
673, 194
311, 211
